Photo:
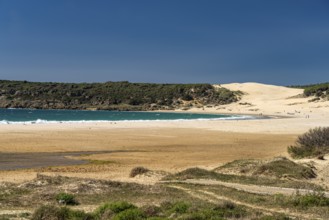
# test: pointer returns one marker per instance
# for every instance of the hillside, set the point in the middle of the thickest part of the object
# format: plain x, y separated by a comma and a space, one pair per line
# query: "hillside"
110, 95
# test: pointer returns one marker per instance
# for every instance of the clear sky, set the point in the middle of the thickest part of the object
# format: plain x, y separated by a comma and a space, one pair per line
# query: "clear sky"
281, 42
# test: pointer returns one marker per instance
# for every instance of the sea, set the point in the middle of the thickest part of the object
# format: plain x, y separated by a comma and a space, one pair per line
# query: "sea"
37, 116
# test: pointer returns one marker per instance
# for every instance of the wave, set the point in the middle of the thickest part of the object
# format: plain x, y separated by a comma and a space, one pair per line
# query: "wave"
41, 121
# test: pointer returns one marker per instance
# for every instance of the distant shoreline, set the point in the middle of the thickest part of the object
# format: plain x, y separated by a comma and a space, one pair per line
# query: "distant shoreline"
53, 116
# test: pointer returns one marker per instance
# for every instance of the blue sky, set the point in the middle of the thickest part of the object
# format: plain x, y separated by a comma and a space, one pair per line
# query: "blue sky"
281, 42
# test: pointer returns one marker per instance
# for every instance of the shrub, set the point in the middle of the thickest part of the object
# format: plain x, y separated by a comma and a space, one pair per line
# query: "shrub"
230, 210
104, 212
48, 212
311, 200
115, 207
180, 207
130, 214
66, 199
313, 143
138, 171
151, 210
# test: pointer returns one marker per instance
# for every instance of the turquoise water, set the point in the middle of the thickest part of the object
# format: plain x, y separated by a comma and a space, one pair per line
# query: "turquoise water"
29, 116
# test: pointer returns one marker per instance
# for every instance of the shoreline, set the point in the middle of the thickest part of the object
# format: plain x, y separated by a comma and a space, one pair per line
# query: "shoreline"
221, 116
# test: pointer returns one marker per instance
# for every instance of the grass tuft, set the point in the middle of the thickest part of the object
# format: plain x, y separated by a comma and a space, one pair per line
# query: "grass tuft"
138, 171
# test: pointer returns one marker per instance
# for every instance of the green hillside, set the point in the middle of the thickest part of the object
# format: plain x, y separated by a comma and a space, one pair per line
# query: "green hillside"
319, 90
110, 95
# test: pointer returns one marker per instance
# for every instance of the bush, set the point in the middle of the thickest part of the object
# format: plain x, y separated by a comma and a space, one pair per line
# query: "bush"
311, 200
180, 207
313, 143
151, 210
115, 207
48, 212
138, 171
130, 214
66, 199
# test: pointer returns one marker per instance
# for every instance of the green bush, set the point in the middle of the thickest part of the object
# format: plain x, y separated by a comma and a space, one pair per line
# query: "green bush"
66, 199
48, 212
205, 214
313, 143
319, 90
113, 208
130, 214
311, 200
180, 207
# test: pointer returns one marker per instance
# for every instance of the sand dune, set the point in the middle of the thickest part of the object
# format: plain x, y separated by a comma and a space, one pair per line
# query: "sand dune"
296, 114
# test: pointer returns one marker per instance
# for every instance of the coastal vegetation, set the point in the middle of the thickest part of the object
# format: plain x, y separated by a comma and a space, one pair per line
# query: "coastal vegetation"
111, 95
320, 90
314, 143
126, 211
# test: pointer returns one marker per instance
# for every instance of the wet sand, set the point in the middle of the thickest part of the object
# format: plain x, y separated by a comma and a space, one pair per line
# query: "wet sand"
15, 161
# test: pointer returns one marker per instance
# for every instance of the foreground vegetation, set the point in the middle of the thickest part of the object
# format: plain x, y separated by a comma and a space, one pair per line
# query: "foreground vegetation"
114, 200
127, 211
314, 143
110, 95
68, 198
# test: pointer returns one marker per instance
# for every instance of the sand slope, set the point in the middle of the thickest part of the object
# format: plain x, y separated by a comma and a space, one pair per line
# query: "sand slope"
270, 99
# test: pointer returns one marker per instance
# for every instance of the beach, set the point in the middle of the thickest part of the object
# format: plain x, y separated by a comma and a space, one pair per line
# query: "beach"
171, 146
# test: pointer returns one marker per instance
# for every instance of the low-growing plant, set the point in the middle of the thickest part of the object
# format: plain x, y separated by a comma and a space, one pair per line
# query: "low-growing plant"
66, 199
151, 210
275, 217
138, 171
315, 199
48, 212
130, 214
115, 207
180, 207
313, 143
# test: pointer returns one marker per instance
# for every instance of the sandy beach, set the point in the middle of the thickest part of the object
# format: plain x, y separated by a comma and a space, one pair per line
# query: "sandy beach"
176, 145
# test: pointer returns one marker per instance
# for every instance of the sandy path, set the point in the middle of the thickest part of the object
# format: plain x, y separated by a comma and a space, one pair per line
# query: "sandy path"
257, 189
214, 198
